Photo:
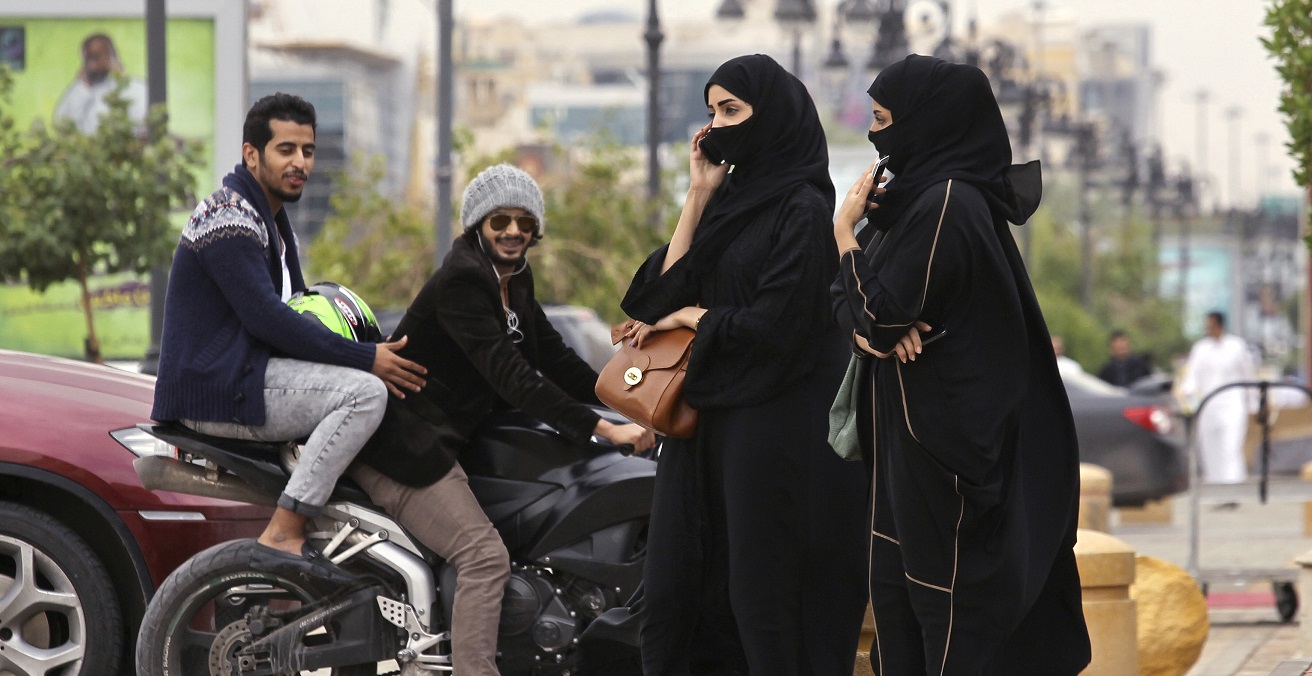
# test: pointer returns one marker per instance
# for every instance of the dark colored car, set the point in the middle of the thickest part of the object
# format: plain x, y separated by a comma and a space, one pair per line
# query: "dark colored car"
83, 545
583, 331
1132, 433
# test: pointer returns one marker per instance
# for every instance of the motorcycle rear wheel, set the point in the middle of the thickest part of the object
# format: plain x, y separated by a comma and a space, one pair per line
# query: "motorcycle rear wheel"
196, 620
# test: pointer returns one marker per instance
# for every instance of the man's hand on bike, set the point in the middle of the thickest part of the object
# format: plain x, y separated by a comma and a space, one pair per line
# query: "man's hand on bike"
632, 434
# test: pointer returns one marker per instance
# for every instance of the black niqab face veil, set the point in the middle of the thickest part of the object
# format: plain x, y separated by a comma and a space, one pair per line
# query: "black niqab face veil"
947, 125
783, 147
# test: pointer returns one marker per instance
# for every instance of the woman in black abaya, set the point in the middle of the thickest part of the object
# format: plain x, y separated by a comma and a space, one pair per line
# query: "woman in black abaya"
756, 553
975, 462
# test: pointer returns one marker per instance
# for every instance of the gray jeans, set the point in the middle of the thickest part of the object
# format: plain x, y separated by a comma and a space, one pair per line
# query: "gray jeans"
337, 407
446, 517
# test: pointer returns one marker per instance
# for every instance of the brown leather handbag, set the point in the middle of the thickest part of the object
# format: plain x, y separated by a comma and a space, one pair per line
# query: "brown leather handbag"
646, 385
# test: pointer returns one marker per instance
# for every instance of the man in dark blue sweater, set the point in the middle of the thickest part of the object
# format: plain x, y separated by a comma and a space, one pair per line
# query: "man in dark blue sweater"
236, 361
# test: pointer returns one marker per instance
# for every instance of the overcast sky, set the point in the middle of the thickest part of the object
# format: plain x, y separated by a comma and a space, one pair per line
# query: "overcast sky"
1198, 44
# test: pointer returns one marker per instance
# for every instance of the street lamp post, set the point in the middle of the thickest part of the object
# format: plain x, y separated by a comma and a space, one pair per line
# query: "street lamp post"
1156, 166
1184, 195
795, 15
1200, 128
445, 118
1232, 115
653, 37
156, 93
1086, 150
891, 38
860, 14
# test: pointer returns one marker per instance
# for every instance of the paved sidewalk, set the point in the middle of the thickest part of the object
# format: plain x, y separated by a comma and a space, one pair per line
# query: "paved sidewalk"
1247, 637
1246, 642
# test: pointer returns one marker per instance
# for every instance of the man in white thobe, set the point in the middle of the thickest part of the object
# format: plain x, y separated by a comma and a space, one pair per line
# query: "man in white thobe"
84, 100
1218, 359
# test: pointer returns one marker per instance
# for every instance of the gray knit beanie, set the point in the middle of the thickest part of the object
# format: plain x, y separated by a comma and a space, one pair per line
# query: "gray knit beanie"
502, 186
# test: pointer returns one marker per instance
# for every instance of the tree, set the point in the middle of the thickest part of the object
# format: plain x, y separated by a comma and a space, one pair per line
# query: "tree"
599, 232
1125, 290
380, 247
1291, 46
73, 205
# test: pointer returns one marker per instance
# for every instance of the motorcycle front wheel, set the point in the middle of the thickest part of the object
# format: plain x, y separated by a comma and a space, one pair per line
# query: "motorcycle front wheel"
197, 621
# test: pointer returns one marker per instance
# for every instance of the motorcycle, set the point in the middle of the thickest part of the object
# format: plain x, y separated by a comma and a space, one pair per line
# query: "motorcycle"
573, 519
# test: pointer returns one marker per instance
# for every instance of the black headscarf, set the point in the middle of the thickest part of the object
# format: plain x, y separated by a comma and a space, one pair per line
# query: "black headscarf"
787, 149
947, 125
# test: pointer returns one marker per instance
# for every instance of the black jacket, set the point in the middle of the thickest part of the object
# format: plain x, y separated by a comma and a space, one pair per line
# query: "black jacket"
1124, 372
457, 329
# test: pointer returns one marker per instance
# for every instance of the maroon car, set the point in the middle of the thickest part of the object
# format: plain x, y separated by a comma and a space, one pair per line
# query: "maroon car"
83, 545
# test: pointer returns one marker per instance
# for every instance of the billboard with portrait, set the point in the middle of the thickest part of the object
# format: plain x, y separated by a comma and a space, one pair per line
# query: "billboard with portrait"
64, 57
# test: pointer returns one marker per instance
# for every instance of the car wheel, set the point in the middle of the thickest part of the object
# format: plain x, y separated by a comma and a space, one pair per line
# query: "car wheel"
1286, 600
58, 613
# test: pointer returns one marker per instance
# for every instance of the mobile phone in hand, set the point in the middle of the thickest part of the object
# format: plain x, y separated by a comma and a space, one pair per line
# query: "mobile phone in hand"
878, 173
932, 335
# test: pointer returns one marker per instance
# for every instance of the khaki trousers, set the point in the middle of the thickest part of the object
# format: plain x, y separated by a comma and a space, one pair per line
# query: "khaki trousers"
447, 519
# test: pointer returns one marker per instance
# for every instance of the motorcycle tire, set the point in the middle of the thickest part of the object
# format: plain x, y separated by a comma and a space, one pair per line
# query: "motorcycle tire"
54, 592
169, 619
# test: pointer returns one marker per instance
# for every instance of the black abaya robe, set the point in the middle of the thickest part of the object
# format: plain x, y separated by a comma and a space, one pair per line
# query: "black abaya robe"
976, 467
975, 460
757, 547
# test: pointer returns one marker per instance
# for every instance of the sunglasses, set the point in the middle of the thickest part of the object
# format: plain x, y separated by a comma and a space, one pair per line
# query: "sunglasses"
527, 224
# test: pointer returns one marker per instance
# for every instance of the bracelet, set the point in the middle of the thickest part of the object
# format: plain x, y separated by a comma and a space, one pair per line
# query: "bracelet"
698, 323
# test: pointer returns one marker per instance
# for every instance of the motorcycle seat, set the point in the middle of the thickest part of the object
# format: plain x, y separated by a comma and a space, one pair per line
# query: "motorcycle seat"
264, 465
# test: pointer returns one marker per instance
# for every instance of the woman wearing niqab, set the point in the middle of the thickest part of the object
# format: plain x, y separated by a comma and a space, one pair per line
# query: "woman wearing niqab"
757, 546
969, 435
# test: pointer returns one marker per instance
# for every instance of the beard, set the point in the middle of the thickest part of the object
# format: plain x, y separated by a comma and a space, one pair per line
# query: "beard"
273, 184
489, 248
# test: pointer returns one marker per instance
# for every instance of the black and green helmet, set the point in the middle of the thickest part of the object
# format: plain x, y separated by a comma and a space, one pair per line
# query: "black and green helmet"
339, 309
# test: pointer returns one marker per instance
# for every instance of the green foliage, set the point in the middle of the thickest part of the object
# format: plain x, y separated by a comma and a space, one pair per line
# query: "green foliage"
73, 204
599, 231
1290, 45
380, 247
1125, 282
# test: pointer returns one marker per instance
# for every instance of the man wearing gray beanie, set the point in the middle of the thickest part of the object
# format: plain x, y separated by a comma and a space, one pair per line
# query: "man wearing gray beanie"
487, 344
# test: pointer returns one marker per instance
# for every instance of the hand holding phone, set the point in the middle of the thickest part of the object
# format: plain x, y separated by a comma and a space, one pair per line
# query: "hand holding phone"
878, 174
932, 335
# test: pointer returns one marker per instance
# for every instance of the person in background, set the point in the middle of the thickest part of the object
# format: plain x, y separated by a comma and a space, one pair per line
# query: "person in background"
1123, 368
84, 100
1216, 360
1064, 363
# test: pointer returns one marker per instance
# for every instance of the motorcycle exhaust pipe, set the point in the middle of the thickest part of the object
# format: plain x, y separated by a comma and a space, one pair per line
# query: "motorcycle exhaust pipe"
159, 473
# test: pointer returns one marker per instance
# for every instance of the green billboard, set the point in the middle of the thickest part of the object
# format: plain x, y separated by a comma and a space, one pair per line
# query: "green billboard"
61, 66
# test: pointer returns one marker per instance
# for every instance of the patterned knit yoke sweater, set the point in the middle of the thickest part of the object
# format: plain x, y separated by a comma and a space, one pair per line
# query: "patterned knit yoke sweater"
224, 316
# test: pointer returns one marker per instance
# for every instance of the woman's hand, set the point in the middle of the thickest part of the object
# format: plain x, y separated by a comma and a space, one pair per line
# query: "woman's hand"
686, 317
703, 176
855, 205
909, 346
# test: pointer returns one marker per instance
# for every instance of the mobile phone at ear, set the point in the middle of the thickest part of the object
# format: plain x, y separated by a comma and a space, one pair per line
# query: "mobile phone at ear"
878, 173
709, 151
